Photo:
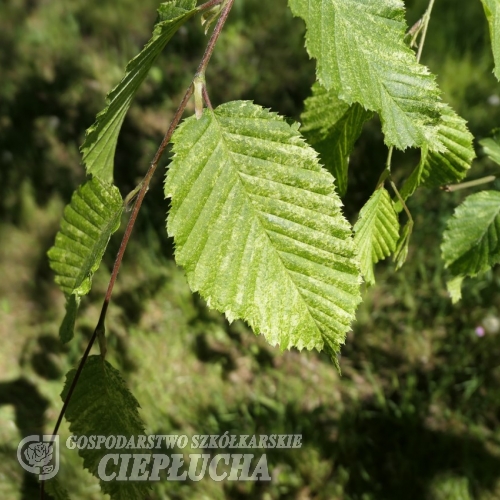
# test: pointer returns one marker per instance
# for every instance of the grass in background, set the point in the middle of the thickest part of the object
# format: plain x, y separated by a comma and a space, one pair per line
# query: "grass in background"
416, 412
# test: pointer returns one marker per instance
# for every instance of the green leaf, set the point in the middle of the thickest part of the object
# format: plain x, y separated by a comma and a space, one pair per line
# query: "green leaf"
88, 222
492, 11
401, 252
454, 287
376, 232
102, 405
441, 168
363, 58
332, 127
100, 142
258, 227
55, 490
67, 328
491, 146
471, 241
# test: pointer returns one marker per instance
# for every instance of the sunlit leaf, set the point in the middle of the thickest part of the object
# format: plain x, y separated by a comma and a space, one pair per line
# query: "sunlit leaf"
100, 142
376, 232
471, 241
362, 56
88, 222
258, 227
441, 168
454, 287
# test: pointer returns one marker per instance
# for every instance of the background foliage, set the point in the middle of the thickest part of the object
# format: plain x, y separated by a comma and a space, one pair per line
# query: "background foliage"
416, 412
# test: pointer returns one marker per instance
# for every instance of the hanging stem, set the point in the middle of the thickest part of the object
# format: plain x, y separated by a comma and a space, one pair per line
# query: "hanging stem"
425, 21
143, 188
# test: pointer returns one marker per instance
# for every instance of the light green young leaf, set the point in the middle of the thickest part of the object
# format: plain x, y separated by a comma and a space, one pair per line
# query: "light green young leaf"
376, 232
491, 146
454, 287
100, 141
258, 227
471, 241
88, 222
102, 405
332, 127
363, 58
492, 11
441, 168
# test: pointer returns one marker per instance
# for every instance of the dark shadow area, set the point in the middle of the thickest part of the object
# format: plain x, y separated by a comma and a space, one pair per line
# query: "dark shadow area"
387, 457
30, 407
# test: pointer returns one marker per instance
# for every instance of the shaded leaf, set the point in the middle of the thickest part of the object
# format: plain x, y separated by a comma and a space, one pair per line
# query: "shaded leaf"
471, 241
67, 328
102, 405
401, 252
90, 219
376, 232
363, 58
491, 146
332, 127
55, 490
258, 227
100, 141
492, 11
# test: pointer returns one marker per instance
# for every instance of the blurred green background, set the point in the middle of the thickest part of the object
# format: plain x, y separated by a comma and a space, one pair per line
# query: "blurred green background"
415, 414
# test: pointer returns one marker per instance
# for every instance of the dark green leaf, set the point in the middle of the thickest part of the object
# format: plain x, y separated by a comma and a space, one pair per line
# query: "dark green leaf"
332, 127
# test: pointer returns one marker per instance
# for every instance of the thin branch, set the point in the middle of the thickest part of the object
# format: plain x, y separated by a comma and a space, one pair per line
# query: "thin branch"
426, 19
208, 5
400, 198
464, 185
144, 186
206, 98
213, 39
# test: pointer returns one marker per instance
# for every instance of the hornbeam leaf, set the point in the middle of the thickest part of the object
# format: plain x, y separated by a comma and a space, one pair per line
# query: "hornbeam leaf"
55, 490
332, 127
454, 287
376, 232
100, 141
67, 327
491, 146
258, 227
88, 222
401, 252
102, 405
362, 56
492, 11
471, 241
440, 168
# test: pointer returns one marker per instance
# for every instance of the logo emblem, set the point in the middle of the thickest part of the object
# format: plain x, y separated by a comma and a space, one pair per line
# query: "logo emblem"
39, 455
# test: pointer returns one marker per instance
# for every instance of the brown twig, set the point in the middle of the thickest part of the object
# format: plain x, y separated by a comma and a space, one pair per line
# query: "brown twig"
100, 329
